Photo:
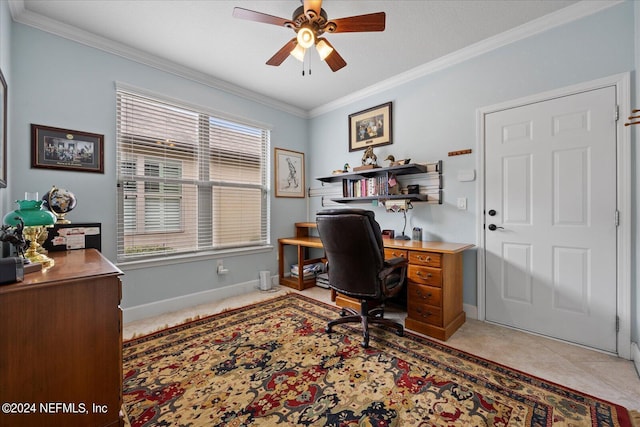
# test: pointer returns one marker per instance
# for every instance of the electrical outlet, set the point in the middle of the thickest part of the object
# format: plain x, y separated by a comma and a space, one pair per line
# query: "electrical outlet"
220, 267
462, 203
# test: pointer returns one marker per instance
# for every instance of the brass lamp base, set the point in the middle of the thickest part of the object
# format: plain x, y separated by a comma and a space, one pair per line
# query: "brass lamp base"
35, 252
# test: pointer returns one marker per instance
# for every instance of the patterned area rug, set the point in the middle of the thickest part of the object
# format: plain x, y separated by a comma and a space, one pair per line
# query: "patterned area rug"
272, 364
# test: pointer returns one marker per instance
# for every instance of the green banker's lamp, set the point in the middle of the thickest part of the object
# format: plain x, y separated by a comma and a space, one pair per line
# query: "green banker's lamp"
36, 221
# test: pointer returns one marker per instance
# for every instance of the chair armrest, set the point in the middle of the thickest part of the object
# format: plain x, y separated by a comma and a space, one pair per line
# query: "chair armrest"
390, 265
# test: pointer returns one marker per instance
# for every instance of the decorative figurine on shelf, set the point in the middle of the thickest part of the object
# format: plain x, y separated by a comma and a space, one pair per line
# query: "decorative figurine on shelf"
14, 236
369, 161
393, 162
368, 158
393, 184
344, 169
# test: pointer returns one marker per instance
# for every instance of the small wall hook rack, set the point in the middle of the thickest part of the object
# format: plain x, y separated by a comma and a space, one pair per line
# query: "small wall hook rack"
634, 120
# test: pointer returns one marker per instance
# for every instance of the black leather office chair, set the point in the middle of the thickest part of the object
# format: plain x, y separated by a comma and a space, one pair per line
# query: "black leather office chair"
353, 246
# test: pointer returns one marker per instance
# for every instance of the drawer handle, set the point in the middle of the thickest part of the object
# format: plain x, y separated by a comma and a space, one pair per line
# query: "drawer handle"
425, 314
427, 296
421, 258
396, 255
419, 274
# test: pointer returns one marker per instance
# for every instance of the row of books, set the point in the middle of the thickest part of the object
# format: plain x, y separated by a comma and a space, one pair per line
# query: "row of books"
365, 187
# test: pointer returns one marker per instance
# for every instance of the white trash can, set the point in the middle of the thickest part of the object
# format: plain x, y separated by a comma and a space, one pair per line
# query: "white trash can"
265, 280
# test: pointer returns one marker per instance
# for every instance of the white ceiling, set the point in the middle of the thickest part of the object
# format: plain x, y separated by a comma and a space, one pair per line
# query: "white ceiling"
202, 39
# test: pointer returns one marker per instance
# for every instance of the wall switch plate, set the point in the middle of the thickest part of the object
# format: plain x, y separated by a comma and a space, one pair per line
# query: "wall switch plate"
462, 203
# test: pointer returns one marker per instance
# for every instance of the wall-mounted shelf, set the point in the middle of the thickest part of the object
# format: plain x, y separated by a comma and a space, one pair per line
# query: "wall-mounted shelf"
371, 184
409, 169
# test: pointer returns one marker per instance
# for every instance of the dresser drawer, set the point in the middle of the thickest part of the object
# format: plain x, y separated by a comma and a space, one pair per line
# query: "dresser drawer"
425, 313
430, 259
425, 275
422, 294
394, 253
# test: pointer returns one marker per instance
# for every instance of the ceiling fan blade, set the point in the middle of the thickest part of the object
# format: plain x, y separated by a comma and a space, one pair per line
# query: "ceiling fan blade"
315, 5
252, 15
283, 53
334, 60
356, 24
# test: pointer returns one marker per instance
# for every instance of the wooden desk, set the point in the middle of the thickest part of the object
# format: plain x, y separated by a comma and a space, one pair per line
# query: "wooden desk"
434, 279
434, 285
61, 341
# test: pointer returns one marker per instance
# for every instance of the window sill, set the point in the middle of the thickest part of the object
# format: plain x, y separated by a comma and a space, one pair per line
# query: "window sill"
184, 258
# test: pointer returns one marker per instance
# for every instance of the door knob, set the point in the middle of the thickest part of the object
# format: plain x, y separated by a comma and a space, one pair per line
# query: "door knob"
492, 212
494, 227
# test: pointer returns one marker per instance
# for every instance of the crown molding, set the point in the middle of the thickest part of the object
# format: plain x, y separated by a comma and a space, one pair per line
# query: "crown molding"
563, 16
26, 17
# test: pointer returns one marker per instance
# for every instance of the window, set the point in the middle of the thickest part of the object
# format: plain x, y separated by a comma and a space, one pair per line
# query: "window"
188, 182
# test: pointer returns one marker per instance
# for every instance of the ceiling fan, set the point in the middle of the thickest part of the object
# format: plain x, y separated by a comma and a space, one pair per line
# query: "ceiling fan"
310, 22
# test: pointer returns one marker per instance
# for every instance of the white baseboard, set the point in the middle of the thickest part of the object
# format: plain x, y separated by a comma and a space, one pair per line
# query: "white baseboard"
635, 356
471, 310
156, 308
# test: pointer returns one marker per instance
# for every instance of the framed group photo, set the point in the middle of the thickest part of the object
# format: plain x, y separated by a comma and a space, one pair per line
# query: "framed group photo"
72, 150
370, 128
289, 173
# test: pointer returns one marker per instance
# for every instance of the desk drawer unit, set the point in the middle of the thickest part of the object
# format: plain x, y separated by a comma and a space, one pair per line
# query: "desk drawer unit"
422, 294
434, 286
429, 259
425, 313
390, 253
425, 275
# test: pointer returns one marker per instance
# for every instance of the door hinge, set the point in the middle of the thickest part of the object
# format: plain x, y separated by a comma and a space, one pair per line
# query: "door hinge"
616, 114
617, 323
617, 218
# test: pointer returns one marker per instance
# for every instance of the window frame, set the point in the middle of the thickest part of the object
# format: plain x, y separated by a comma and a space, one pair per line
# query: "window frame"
263, 244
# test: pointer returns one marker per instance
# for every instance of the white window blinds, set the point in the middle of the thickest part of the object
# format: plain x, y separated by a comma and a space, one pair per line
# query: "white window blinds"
187, 182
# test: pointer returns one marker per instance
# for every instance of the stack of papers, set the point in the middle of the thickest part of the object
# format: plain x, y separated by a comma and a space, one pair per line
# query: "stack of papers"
322, 280
309, 270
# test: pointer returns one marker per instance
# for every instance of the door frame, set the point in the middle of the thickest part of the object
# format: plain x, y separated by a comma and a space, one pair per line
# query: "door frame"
622, 83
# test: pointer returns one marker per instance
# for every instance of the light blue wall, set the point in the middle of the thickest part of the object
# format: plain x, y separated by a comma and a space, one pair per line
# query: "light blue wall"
56, 82
64, 84
436, 114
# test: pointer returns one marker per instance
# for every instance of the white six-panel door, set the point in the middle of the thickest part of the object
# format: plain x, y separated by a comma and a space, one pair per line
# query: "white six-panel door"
550, 192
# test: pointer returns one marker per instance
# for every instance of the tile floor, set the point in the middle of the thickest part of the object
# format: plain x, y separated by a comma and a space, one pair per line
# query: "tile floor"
591, 372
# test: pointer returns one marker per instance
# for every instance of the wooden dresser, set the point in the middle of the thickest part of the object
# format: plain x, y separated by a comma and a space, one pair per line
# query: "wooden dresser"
61, 344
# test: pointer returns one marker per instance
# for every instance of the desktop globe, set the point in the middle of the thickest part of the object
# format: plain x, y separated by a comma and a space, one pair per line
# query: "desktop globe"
60, 202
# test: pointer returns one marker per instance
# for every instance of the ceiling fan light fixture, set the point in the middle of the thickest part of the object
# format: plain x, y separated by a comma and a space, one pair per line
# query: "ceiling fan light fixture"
323, 48
298, 52
306, 38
